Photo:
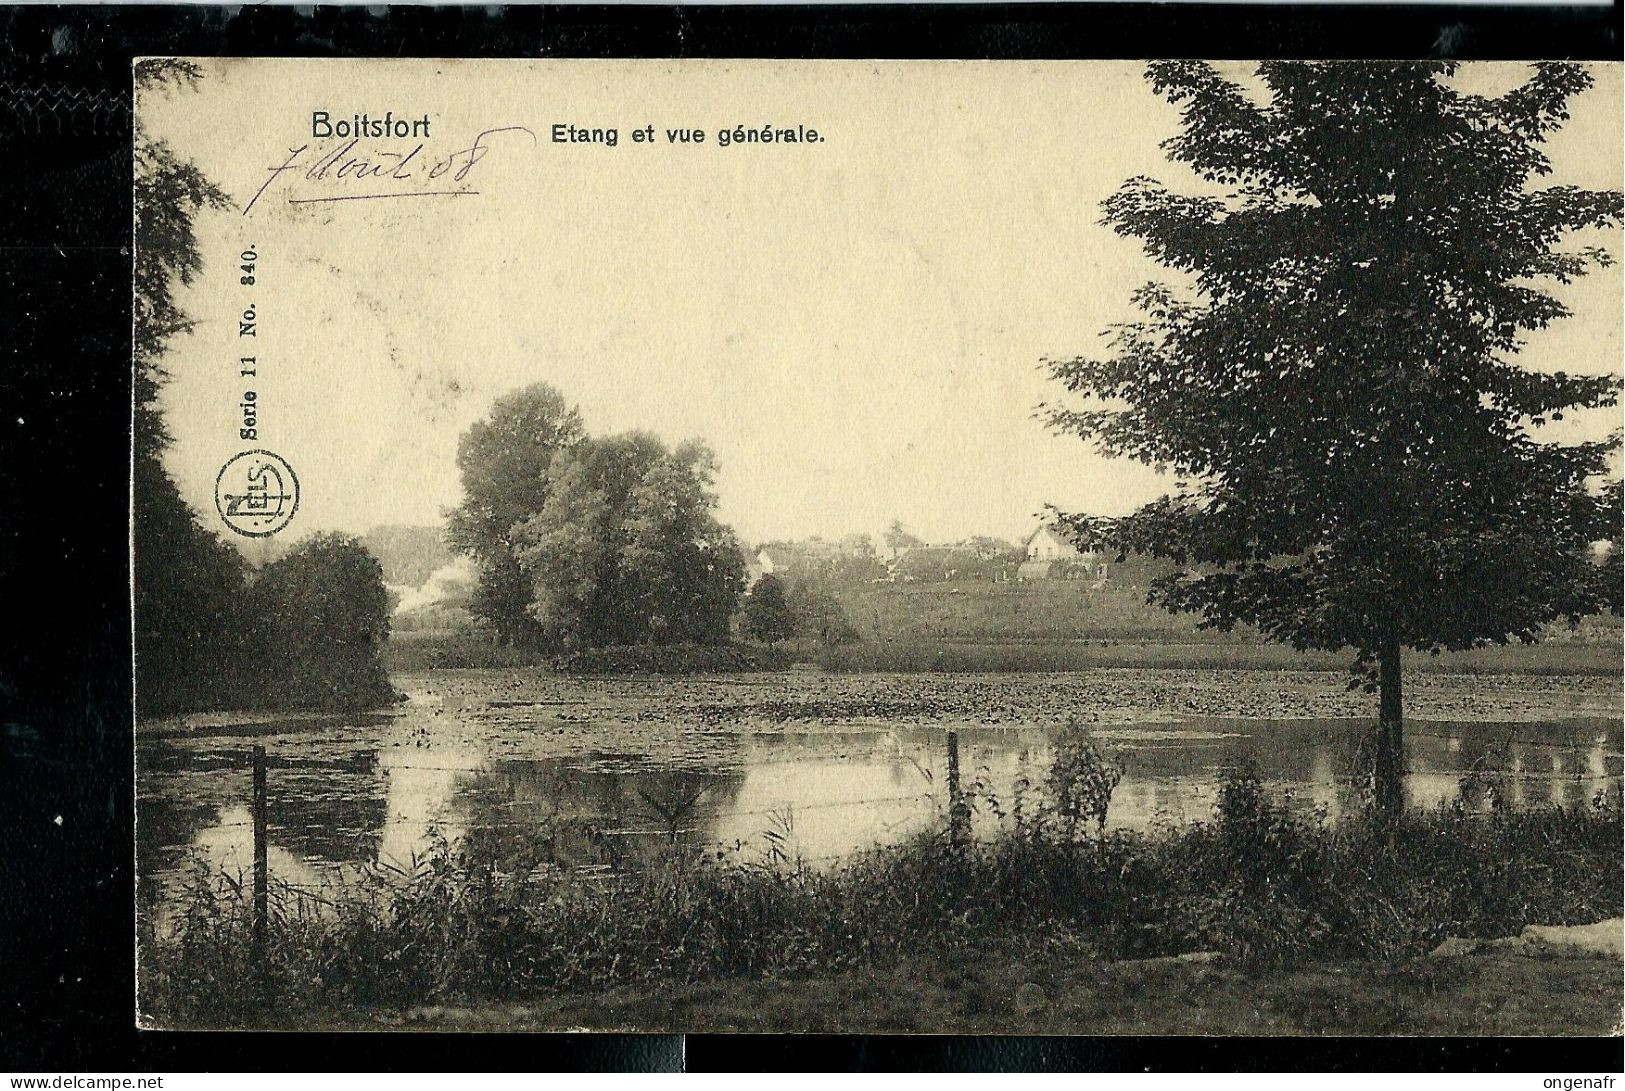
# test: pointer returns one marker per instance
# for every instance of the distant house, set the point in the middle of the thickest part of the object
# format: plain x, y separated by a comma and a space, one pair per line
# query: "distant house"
927, 564
757, 565
1050, 555
973, 560
846, 560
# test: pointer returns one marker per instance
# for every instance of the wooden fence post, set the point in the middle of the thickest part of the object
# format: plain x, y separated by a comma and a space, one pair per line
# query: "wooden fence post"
957, 814
261, 876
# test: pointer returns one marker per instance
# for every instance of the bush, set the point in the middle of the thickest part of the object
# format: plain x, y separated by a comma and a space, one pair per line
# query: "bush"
192, 635
767, 616
322, 616
818, 614
1081, 780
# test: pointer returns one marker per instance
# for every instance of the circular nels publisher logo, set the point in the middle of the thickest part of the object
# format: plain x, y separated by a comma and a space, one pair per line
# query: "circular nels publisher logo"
256, 493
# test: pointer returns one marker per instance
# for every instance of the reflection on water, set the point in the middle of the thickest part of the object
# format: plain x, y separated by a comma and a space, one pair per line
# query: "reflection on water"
374, 793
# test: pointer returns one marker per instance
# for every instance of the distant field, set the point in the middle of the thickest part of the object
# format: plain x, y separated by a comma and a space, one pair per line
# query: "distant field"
1055, 626
1059, 610
423, 651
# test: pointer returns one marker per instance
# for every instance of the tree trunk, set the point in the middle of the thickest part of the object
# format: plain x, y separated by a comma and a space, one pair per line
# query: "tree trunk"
1389, 753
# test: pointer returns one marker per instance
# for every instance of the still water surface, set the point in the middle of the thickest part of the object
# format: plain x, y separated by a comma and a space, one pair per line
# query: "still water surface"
613, 772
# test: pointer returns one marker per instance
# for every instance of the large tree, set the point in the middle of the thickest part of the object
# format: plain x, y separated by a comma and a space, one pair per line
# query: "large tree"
626, 549
506, 462
169, 192
1333, 376
686, 569
309, 628
188, 585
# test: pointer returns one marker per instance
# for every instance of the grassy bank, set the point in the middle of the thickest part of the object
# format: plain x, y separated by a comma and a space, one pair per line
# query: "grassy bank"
987, 991
435, 650
1267, 889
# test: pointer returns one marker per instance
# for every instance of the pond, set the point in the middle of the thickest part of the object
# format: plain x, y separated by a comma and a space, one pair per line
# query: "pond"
816, 766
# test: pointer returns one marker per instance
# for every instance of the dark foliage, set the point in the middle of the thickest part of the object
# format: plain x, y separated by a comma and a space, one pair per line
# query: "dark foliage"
321, 616
1361, 453
626, 548
506, 461
193, 643
767, 615
205, 639
587, 542
1358, 450
168, 192
190, 639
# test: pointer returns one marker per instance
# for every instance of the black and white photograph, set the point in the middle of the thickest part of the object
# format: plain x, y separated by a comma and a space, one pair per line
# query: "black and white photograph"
839, 546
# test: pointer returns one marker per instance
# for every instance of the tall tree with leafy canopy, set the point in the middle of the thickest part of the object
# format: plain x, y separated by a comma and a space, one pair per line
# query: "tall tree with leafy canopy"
208, 633
506, 462
686, 569
1334, 380
627, 549
169, 192
188, 584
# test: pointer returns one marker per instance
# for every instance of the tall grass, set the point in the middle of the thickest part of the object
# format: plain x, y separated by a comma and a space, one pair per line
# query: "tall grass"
1259, 882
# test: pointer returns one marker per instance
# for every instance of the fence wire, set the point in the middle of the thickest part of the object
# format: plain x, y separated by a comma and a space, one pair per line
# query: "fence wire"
684, 816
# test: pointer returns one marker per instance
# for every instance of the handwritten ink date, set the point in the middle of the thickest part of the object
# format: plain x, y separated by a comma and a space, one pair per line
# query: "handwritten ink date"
379, 170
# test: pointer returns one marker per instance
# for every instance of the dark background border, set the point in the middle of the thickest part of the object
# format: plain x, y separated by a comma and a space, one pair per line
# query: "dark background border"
66, 893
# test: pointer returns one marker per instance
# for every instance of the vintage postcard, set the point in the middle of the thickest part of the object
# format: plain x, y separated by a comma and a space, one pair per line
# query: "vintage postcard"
1066, 547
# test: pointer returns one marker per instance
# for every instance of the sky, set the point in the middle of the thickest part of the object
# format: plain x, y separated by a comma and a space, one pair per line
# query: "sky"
855, 326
